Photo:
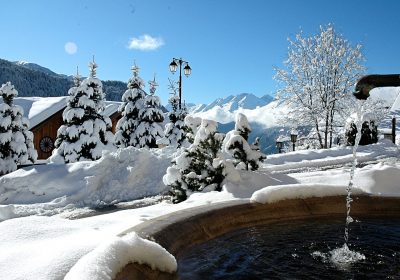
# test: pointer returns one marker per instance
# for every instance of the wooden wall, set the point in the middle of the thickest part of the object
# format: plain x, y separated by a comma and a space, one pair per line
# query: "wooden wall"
47, 128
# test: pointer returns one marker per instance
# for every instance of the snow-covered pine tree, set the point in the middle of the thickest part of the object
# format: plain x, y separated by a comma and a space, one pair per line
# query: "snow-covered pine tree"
366, 138
174, 133
236, 145
16, 141
242, 126
192, 125
133, 102
86, 132
151, 116
351, 133
198, 167
374, 132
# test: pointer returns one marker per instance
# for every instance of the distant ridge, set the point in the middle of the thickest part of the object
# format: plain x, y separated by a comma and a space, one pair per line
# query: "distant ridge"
31, 79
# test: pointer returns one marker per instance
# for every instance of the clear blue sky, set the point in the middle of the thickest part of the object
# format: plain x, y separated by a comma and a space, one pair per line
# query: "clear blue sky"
231, 45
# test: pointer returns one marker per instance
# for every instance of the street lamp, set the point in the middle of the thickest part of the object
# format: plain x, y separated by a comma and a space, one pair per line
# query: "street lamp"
173, 66
293, 137
279, 143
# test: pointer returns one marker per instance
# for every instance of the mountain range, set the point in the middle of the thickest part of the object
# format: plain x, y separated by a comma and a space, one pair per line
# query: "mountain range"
31, 79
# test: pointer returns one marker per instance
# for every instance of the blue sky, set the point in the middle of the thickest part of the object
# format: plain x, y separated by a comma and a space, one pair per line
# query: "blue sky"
232, 46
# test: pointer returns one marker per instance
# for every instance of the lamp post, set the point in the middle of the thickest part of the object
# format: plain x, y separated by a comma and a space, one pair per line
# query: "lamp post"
173, 66
279, 143
293, 138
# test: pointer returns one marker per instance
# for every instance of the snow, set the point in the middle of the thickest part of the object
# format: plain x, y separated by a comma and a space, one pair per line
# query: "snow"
112, 255
128, 172
38, 242
266, 116
276, 193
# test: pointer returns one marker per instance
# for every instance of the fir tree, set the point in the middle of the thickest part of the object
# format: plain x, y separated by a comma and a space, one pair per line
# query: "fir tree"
351, 133
86, 132
365, 134
151, 117
374, 132
198, 167
16, 141
174, 133
236, 145
133, 102
191, 127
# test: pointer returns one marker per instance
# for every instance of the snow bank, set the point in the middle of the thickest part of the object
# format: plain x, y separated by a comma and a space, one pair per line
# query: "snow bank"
329, 157
105, 261
282, 192
123, 175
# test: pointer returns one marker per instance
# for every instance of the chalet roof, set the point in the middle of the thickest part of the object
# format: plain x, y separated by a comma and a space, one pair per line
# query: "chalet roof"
38, 109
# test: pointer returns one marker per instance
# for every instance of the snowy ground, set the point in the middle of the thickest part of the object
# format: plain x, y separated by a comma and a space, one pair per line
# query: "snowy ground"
38, 242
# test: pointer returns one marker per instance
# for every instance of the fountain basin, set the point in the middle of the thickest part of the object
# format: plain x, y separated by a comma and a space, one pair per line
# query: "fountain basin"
178, 231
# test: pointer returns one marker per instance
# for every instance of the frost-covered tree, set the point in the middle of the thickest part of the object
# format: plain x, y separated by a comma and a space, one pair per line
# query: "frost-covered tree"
319, 76
199, 167
86, 131
16, 141
133, 100
151, 116
236, 145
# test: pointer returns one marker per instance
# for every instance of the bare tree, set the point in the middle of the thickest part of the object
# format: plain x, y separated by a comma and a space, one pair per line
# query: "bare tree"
317, 81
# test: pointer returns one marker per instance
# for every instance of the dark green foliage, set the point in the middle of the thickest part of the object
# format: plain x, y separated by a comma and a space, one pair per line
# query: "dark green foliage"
369, 134
374, 132
365, 134
351, 134
201, 170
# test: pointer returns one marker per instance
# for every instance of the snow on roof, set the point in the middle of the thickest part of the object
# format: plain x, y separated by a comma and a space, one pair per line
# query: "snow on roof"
38, 109
386, 123
111, 107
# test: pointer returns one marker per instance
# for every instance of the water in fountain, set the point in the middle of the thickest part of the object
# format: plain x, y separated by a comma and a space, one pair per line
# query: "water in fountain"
343, 257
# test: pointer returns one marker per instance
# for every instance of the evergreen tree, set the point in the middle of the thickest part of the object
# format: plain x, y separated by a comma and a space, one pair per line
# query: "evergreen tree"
174, 133
198, 167
242, 126
374, 132
151, 117
191, 127
351, 133
86, 132
133, 101
236, 145
16, 141
365, 134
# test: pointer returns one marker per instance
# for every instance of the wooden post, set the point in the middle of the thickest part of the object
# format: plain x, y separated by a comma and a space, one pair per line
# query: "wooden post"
394, 130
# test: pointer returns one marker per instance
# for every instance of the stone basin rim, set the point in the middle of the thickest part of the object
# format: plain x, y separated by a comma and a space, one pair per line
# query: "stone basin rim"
179, 230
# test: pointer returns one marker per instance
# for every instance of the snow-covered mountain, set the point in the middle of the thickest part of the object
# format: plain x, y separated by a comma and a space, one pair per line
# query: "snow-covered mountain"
234, 102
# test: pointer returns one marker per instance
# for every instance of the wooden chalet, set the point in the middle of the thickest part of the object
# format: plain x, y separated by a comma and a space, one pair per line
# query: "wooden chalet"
45, 117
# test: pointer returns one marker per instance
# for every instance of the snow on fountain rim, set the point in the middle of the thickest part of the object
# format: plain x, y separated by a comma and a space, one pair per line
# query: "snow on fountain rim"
281, 192
106, 260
